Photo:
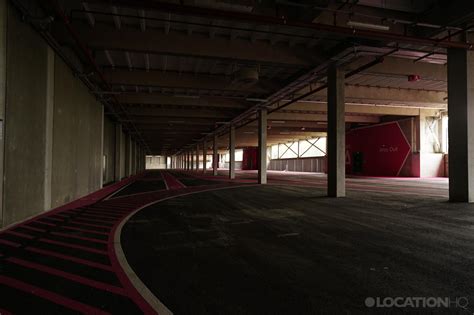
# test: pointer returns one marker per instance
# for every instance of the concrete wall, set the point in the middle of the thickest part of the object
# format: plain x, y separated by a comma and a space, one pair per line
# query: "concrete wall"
3, 73
77, 152
155, 162
314, 164
55, 133
109, 150
25, 127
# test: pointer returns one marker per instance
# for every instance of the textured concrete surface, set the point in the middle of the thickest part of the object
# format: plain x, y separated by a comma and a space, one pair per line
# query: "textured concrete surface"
109, 150
123, 159
26, 128
77, 147
3, 73
291, 250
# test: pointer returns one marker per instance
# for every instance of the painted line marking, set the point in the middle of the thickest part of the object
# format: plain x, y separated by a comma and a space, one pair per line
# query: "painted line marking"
84, 248
10, 243
92, 221
84, 230
19, 234
94, 240
33, 228
90, 224
68, 276
50, 296
70, 258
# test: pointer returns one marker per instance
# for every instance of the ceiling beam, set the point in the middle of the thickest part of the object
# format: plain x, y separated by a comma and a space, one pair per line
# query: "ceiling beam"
182, 101
384, 95
176, 80
103, 37
405, 67
321, 117
179, 113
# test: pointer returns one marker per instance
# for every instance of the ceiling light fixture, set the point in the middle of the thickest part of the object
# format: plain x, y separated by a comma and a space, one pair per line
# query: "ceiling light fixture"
186, 96
368, 26
252, 99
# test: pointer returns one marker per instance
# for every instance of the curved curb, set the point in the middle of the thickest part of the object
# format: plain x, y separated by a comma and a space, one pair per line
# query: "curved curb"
147, 301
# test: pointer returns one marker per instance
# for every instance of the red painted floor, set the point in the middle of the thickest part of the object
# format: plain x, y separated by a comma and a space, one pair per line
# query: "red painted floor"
64, 261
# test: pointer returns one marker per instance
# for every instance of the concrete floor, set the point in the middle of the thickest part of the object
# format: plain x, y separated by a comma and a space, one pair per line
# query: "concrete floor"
435, 186
220, 247
281, 249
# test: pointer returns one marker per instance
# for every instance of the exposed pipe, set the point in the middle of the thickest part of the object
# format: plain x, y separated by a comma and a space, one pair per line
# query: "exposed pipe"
262, 19
224, 27
322, 87
174, 21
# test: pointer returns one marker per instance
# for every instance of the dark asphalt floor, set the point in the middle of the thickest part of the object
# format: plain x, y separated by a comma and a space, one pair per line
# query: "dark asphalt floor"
291, 250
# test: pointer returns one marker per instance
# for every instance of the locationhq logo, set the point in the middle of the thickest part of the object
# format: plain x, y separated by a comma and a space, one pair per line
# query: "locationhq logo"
417, 302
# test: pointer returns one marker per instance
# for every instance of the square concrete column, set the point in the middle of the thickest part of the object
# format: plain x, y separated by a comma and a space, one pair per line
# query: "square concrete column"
232, 152
336, 145
191, 158
197, 157
128, 155
3, 73
215, 158
204, 156
460, 124
262, 146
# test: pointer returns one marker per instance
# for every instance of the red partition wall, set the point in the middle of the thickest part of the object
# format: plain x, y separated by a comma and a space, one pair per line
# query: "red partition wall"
249, 159
383, 148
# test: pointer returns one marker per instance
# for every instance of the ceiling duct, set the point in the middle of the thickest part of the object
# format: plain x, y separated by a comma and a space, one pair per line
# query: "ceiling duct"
245, 76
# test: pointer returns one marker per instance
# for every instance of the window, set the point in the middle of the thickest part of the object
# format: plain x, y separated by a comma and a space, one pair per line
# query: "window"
315, 147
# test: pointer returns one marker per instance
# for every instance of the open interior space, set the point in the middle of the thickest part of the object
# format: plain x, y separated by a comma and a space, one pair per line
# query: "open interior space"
236, 157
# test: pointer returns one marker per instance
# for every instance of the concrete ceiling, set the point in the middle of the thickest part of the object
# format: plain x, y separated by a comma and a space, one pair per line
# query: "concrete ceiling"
180, 76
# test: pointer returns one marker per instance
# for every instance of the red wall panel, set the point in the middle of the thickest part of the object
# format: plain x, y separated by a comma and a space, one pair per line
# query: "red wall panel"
384, 149
249, 159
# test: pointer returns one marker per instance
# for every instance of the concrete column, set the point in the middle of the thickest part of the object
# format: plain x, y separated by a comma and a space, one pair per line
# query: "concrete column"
3, 66
133, 158
204, 156
137, 156
191, 159
460, 124
101, 156
262, 146
118, 157
128, 155
336, 145
215, 158
140, 155
197, 157
232, 152
48, 152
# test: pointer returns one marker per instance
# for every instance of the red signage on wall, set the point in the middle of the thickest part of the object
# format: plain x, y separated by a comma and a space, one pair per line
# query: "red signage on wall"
379, 150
